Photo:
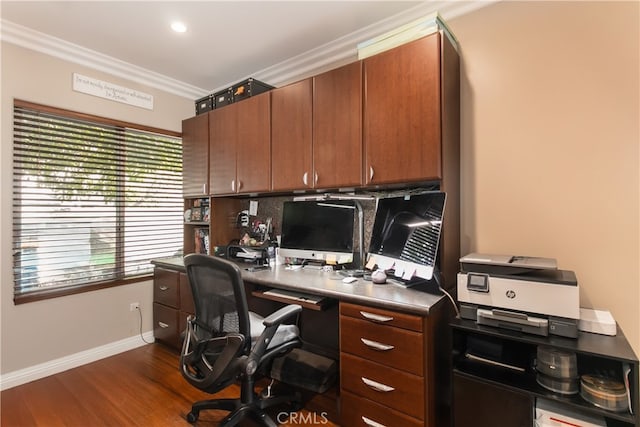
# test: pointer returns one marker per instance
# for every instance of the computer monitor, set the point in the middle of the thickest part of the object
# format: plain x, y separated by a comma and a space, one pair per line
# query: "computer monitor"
406, 234
318, 230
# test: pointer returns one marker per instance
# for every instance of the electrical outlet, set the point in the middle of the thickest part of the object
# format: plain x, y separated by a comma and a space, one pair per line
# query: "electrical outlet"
134, 306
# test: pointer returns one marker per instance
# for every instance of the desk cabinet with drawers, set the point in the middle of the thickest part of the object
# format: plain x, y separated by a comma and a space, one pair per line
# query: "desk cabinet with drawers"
172, 303
387, 371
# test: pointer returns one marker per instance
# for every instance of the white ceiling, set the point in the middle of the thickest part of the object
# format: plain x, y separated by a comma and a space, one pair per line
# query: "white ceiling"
226, 41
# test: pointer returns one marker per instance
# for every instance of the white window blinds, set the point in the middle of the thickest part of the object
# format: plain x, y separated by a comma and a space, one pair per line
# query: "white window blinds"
93, 202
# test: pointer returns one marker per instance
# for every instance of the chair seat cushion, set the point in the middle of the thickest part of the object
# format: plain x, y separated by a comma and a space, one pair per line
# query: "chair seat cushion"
283, 334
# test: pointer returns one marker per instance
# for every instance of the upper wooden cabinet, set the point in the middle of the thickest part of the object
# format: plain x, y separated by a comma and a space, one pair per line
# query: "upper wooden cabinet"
316, 134
337, 127
239, 140
291, 136
195, 156
389, 120
402, 113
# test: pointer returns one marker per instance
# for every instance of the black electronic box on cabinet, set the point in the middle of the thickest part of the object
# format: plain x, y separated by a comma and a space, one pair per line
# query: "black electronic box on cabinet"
248, 88
204, 104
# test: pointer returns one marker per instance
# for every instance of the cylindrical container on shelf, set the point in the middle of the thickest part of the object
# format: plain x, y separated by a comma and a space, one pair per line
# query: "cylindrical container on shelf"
556, 363
559, 385
604, 392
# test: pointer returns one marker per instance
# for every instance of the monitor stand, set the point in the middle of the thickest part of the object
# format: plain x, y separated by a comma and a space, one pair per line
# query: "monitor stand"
351, 273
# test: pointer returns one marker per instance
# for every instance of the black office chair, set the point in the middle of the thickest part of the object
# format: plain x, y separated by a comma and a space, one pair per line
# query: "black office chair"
225, 342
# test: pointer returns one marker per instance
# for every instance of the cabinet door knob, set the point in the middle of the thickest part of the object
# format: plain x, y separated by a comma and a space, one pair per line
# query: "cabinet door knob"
304, 178
376, 385
371, 423
376, 317
377, 345
163, 325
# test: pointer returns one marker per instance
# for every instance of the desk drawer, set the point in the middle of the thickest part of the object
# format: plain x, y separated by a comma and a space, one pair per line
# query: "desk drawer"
394, 347
165, 286
390, 387
165, 324
386, 317
360, 412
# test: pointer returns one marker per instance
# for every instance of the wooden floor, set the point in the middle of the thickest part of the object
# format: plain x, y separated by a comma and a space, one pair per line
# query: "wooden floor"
141, 387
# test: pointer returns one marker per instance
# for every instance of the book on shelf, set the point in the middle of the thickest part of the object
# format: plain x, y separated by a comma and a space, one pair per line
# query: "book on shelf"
201, 240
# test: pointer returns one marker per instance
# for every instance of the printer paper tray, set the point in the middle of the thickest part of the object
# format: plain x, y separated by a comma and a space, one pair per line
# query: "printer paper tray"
513, 321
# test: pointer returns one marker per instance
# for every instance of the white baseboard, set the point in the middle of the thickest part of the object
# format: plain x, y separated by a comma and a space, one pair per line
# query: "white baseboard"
32, 373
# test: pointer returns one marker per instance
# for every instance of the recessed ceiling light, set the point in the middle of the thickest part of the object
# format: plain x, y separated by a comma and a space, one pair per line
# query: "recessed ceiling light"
178, 27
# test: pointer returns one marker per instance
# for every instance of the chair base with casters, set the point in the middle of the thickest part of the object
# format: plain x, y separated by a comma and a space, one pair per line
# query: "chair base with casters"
248, 405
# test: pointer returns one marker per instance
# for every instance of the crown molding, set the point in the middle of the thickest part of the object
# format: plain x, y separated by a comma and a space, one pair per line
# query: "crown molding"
53, 46
327, 56
344, 50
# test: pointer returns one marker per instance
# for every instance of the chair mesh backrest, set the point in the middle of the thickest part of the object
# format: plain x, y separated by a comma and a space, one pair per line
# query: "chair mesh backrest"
219, 296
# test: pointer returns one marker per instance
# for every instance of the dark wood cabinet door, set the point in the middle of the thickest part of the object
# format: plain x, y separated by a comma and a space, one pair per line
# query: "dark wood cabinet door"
482, 404
337, 127
291, 133
254, 147
195, 156
222, 151
402, 119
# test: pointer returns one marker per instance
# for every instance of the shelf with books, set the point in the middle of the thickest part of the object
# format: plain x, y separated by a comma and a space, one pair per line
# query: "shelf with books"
196, 225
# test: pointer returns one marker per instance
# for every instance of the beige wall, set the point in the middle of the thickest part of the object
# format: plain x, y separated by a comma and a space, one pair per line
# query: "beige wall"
549, 121
38, 332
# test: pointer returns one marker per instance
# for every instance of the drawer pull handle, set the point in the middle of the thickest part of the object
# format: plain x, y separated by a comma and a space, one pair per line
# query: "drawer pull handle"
376, 317
376, 385
376, 345
371, 423
163, 325
163, 288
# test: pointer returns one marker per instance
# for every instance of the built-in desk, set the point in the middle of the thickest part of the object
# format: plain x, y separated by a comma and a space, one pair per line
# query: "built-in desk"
393, 342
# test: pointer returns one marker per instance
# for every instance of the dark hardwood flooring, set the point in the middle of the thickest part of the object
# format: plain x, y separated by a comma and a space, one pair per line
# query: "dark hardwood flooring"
141, 387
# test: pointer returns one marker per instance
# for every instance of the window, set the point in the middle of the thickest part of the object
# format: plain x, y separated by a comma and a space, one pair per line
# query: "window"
94, 200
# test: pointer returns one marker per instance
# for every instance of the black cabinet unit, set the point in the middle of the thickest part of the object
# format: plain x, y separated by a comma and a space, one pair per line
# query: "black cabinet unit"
495, 378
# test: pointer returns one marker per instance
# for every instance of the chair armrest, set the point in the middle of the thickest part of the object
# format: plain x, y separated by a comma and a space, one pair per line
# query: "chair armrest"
281, 315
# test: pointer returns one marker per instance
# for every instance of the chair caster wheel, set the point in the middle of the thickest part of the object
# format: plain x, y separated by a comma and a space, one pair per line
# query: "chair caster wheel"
192, 417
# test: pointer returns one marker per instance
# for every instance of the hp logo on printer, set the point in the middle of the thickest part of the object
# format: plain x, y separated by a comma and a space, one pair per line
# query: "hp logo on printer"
510, 294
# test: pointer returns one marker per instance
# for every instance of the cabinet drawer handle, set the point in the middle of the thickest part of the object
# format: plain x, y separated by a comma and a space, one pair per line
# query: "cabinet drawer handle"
370, 173
315, 178
376, 345
376, 385
163, 325
204, 188
304, 178
371, 423
376, 317
233, 185
239, 185
163, 288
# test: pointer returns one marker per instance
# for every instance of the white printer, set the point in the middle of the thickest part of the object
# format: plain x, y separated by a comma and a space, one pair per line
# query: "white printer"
526, 294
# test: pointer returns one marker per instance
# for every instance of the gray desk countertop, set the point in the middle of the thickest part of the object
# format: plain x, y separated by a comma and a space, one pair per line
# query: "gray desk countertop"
315, 281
